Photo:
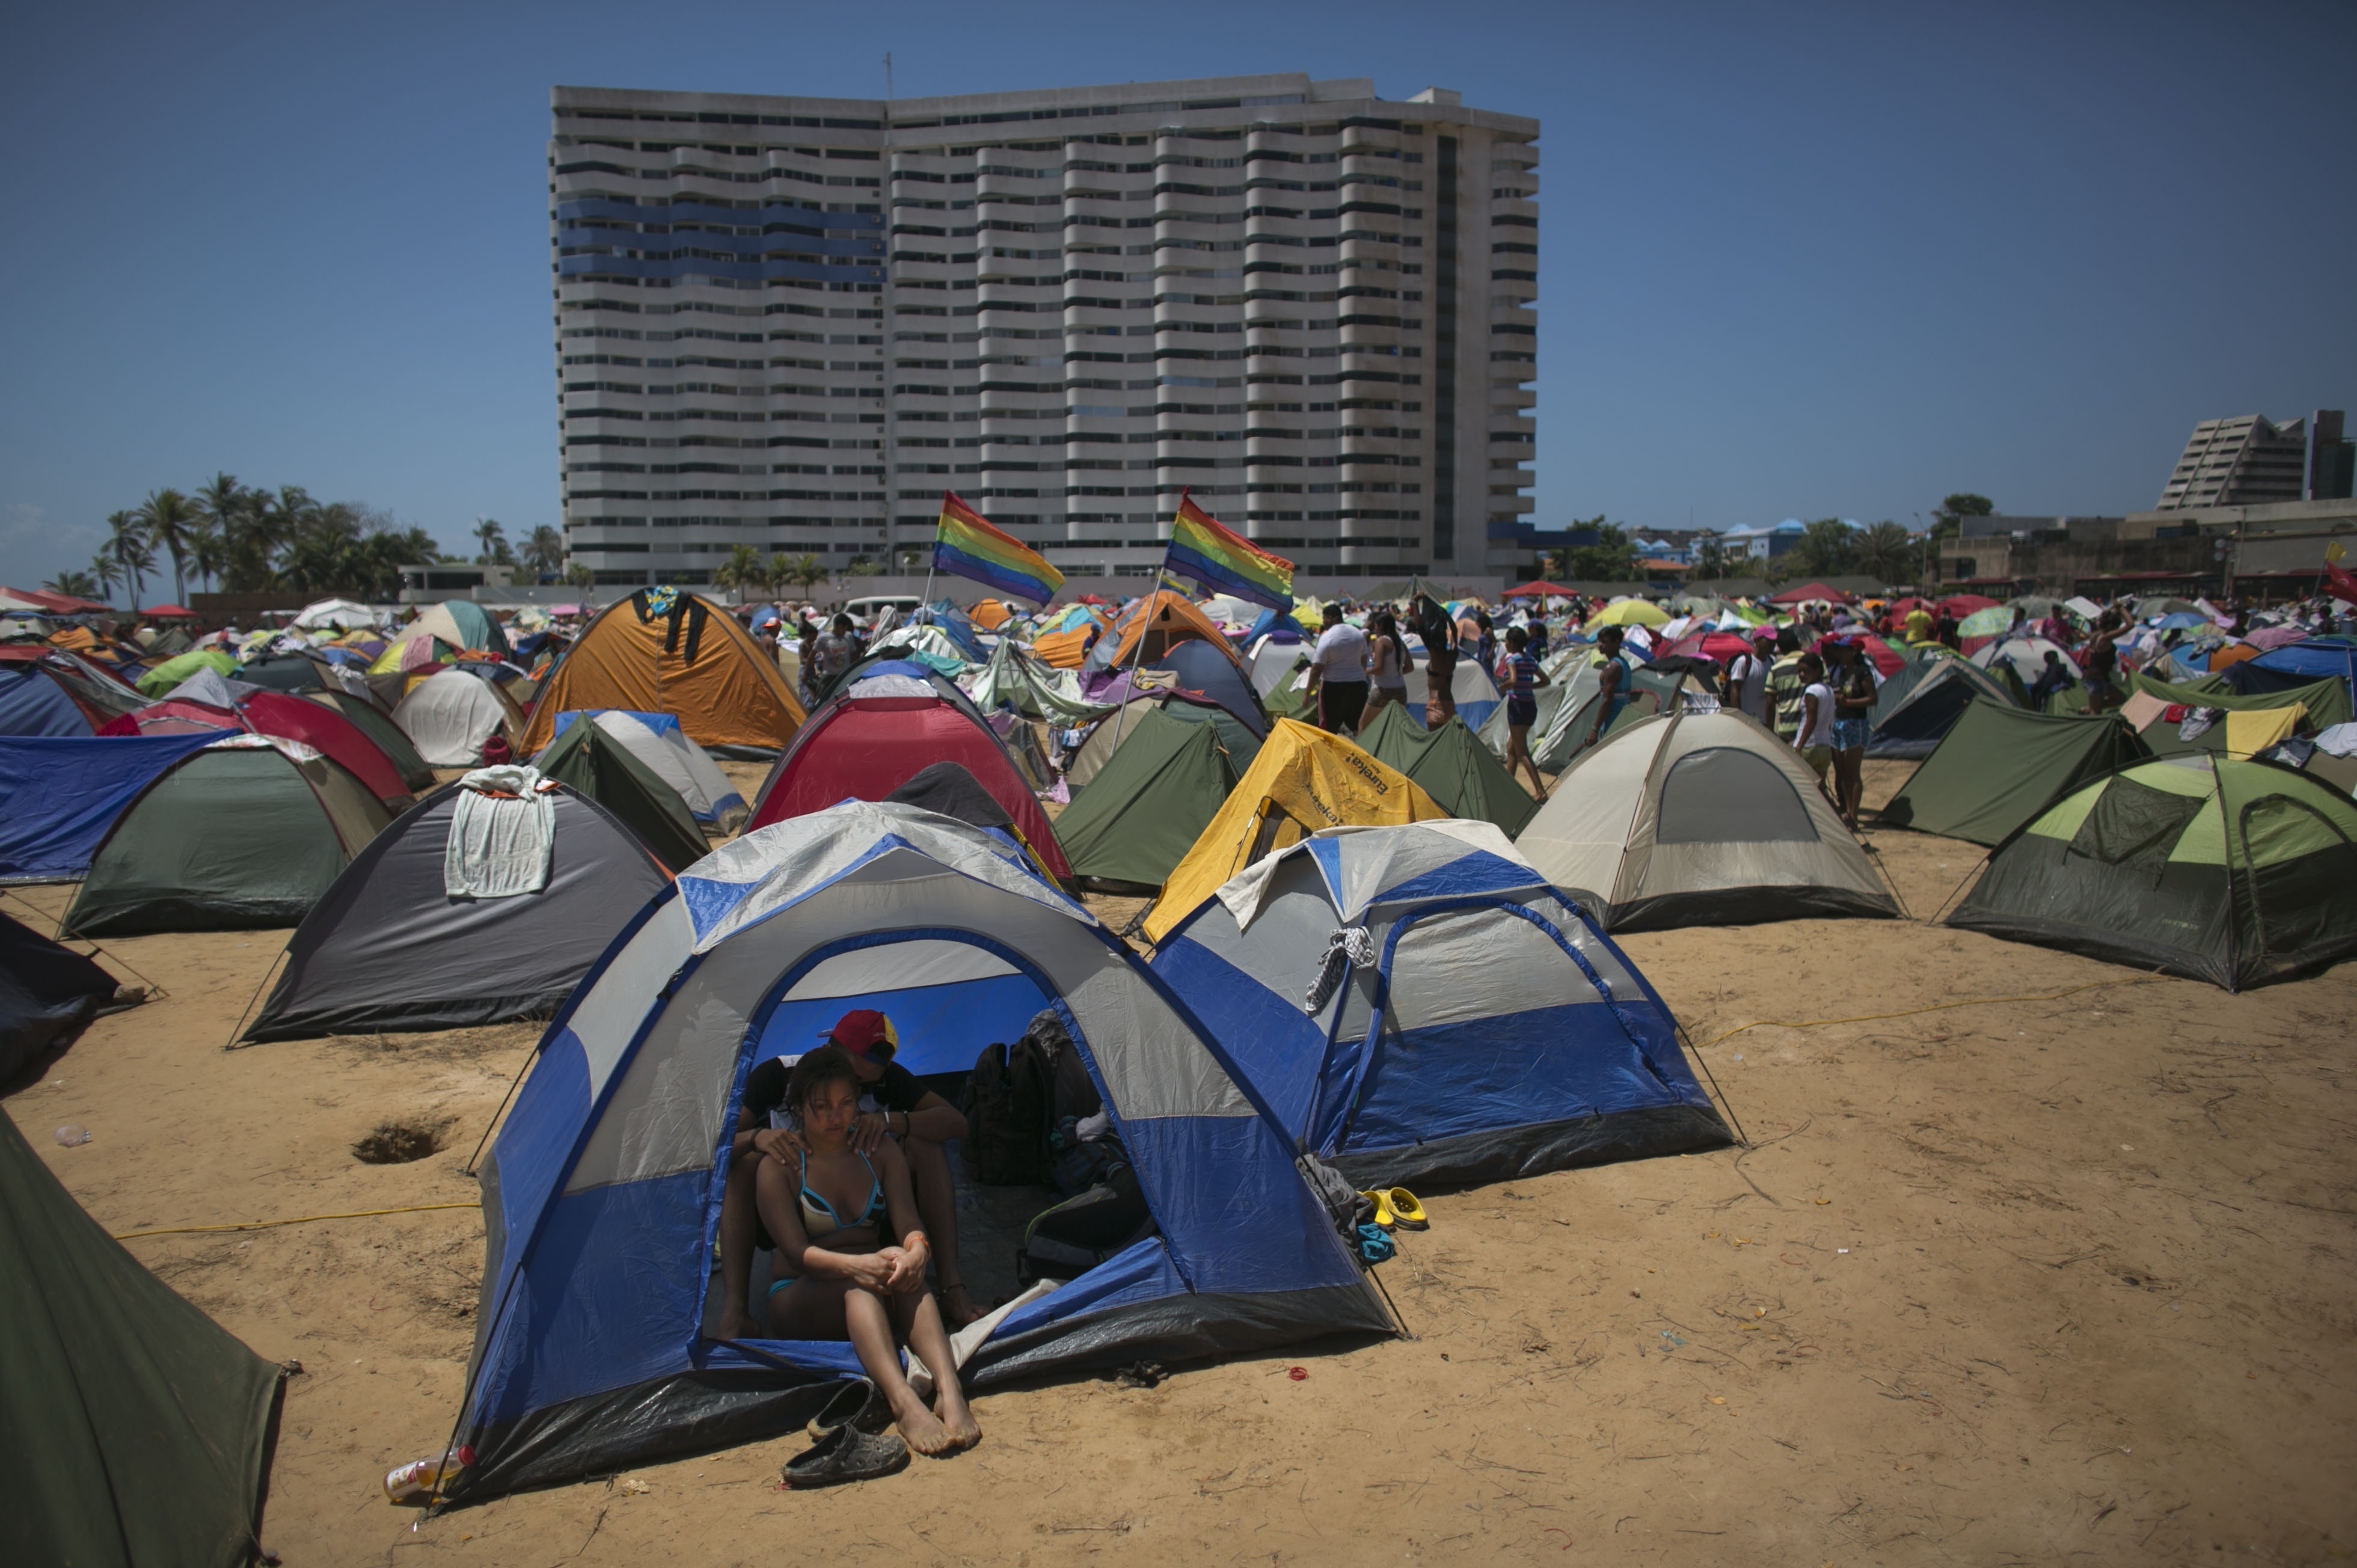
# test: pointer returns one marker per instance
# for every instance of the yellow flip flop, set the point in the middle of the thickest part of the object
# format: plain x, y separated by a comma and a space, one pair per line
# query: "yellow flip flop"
1402, 1206
1383, 1202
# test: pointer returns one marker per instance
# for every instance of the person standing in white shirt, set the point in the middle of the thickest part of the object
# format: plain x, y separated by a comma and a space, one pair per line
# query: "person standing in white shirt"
1747, 684
1338, 674
1814, 740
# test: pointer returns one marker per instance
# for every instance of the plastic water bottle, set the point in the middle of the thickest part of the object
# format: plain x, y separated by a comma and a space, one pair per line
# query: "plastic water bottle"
73, 1135
425, 1480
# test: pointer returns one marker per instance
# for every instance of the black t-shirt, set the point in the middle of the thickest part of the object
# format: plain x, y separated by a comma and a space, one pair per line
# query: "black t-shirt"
765, 1089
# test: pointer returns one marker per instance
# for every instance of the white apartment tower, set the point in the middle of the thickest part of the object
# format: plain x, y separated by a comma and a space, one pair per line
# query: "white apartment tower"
791, 323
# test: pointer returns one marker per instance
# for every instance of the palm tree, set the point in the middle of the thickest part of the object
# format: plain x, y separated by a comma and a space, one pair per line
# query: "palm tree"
170, 520
493, 535
804, 572
208, 551
106, 572
743, 569
132, 553
76, 584
1889, 551
543, 550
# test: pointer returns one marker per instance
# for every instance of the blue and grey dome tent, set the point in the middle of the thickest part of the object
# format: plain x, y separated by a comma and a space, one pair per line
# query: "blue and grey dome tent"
1510, 1037
603, 1191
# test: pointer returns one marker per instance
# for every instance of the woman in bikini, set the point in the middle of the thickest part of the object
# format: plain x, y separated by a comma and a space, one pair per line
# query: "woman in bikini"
830, 1211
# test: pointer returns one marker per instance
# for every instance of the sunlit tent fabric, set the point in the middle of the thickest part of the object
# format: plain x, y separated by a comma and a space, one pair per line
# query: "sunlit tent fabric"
389, 948
664, 650
59, 794
246, 832
1545, 701
880, 732
1453, 767
2001, 766
47, 993
593, 763
139, 1431
1699, 818
1916, 707
1649, 691
601, 1195
1475, 690
1303, 779
1015, 679
1145, 807
1275, 658
461, 623
657, 740
1069, 645
2236, 872
2025, 655
259, 711
173, 670
449, 715
1474, 1028
377, 725
1163, 619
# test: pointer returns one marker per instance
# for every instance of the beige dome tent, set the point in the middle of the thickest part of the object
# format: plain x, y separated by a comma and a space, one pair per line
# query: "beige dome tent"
1699, 818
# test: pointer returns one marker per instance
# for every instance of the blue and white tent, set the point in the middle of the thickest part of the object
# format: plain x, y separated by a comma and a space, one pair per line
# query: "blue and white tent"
602, 1194
1509, 1035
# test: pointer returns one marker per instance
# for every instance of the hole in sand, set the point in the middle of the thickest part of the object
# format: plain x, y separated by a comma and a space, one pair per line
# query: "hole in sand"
397, 1144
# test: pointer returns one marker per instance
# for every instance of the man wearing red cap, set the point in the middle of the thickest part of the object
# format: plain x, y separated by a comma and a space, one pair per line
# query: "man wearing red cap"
893, 1105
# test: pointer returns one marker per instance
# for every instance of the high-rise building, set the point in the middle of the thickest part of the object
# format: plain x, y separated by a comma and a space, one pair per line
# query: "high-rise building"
791, 323
2245, 461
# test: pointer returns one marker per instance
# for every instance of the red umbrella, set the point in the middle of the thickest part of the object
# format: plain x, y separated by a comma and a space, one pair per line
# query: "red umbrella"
169, 612
1961, 604
1537, 591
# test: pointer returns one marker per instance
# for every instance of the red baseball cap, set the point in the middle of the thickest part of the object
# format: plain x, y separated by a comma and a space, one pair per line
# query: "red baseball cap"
861, 1030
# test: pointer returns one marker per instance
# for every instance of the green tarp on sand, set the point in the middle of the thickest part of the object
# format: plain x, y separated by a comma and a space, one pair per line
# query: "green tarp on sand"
1453, 766
138, 1431
1999, 767
1148, 803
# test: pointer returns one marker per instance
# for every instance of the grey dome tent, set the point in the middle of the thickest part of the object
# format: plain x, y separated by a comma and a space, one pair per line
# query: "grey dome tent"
387, 947
245, 832
2002, 765
2236, 872
1915, 708
1699, 818
139, 1432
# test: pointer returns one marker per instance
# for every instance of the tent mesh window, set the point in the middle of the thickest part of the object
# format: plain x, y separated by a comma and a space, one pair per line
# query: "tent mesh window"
2303, 872
2134, 827
1723, 795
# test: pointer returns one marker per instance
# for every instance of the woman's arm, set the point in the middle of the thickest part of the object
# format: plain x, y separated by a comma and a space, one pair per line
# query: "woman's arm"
796, 1257
906, 1261
935, 1120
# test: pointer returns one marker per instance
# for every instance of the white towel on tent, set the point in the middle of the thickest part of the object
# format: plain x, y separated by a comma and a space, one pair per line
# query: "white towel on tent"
501, 843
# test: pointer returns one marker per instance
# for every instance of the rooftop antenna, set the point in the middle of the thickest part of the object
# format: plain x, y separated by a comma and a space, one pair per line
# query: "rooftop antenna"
888, 76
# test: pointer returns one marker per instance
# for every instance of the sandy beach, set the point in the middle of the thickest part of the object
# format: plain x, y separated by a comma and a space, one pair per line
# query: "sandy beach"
2061, 1277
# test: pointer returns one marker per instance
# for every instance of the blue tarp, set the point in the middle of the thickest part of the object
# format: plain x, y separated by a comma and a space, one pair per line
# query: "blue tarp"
1276, 620
59, 795
32, 704
2315, 660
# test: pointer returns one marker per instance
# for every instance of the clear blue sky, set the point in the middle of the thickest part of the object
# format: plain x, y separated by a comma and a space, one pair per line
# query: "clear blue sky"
1801, 260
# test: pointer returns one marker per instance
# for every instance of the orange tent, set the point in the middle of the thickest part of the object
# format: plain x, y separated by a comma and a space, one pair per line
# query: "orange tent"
1070, 650
665, 651
1162, 617
988, 614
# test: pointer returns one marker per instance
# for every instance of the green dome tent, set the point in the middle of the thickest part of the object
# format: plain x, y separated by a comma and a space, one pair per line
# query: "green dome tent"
1453, 766
2001, 766
2235, 871
1148, 803
139, 1430
603, 768
172, 672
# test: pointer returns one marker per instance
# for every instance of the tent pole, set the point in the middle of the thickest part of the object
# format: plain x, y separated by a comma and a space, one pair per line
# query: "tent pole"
1137, 657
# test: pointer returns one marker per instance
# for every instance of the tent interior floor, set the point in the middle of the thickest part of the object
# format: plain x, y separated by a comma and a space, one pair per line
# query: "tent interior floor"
2022, 1279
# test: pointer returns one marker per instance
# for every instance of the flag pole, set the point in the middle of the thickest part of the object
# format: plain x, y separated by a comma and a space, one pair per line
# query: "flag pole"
1137, 654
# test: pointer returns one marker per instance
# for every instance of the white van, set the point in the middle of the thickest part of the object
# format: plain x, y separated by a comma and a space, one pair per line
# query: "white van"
865, 609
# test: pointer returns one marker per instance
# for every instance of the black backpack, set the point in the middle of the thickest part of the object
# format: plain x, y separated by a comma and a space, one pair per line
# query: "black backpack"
1078, 1234
1017, 1098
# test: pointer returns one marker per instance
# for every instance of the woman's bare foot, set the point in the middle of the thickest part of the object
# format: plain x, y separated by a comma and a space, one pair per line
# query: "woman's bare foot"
923, 1431
738, 1324
956, 1418
958, 1308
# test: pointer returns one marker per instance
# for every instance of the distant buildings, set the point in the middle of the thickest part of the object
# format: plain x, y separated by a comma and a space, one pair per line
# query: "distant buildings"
2251, 460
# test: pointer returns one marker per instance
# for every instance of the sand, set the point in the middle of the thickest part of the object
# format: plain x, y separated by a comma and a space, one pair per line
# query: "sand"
2013, 1282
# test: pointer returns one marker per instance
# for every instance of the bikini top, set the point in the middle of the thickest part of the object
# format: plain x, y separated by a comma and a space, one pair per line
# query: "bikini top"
819, 1216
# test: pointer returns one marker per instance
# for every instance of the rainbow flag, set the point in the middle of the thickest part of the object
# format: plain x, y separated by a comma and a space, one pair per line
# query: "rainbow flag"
1225, 561
966, 546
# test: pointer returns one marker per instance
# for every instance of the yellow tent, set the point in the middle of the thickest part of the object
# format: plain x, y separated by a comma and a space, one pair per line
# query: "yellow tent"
664, 650
1630, 612
1302, 780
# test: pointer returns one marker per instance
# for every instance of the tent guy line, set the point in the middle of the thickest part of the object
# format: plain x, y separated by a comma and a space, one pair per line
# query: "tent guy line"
1915, 1012
298, 1219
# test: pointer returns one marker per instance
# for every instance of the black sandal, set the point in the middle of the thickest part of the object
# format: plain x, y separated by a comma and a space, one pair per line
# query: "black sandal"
843, 1450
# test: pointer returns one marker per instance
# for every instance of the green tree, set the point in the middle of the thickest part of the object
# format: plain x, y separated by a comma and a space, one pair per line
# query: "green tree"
1889, 551
864, 567
1829, 549
806, 572
128, 540
493, 535
78, 584
1612, 559
543, 550
1963, 504
578, 575
170, 522
744, 568
106, 572
1710, 559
